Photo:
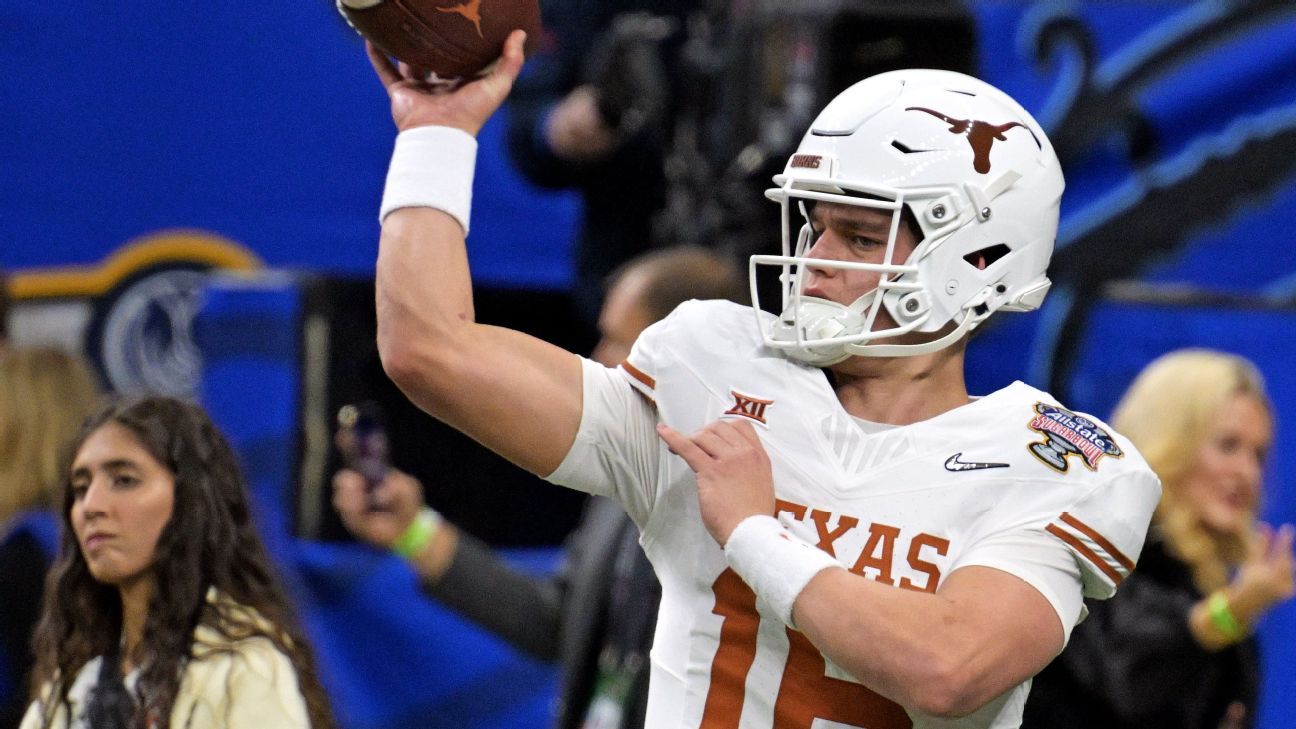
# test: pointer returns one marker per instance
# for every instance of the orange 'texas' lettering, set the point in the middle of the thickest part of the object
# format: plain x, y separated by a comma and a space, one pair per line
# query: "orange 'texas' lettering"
919, 565
821, 519
879, 549
470, 10
797, 511
826, 538
879, 534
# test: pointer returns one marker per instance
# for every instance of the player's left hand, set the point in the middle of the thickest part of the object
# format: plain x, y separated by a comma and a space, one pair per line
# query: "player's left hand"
733, 472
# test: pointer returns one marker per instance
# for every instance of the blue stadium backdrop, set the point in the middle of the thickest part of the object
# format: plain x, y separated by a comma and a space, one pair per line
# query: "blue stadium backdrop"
146, 143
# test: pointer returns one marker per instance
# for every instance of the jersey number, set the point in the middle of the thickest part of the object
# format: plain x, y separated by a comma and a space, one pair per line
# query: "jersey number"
805, 692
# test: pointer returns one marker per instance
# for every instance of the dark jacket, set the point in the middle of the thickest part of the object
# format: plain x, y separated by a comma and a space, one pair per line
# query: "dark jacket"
27, 547
621, 193
1134, 663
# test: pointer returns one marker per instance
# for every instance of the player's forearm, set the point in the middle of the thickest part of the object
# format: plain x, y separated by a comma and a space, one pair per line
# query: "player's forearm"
513, 393
424, 298
912, 647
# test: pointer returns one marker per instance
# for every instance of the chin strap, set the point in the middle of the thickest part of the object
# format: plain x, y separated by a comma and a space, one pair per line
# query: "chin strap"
815, 318
829, 354
971, 318
968, 323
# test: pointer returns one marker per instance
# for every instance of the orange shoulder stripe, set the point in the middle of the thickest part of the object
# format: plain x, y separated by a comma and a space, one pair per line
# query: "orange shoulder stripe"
1099, 539
1084, 550
638, 374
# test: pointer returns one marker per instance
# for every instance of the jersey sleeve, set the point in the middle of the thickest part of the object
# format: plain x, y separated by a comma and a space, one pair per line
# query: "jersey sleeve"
616, 450
1106, 526
641, 366
1040, 561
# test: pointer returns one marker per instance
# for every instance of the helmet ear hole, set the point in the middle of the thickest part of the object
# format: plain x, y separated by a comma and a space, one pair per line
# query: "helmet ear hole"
910, 221
986, 257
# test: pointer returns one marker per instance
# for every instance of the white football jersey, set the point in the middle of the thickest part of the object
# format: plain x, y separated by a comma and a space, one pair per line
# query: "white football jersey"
1005, 481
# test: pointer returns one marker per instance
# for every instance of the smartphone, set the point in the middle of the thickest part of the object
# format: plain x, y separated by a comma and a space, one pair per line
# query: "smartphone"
362, 440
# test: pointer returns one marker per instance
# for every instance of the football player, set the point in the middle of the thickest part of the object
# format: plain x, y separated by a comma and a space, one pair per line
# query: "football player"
843, 535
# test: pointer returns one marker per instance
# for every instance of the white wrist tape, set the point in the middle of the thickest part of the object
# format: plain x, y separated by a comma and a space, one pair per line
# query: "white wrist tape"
431, 167
775, 564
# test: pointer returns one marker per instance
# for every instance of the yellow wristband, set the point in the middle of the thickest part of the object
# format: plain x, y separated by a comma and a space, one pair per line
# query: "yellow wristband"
1222, 616
418, 534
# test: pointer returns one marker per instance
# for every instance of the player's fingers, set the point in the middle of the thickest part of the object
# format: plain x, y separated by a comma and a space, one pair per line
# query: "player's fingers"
747, 432
715, 441
508, 67
681, 446
413, 74
727, 430
382, 65
514, 56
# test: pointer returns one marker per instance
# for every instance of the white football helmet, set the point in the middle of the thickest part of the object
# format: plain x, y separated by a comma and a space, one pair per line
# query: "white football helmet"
978, 176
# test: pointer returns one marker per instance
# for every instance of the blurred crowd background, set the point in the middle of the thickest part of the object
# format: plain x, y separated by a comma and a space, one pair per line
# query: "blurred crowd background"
189, 196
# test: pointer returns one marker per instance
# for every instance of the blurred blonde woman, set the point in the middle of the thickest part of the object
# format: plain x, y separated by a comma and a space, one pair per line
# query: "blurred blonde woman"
1175, 648
45, 394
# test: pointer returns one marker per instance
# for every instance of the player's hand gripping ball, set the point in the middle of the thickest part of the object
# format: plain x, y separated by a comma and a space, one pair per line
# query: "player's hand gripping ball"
451, 38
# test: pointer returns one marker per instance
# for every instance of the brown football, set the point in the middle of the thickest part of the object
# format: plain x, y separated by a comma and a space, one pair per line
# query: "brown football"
453, 38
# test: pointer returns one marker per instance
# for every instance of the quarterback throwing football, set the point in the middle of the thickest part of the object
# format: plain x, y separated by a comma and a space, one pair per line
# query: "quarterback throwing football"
844, 537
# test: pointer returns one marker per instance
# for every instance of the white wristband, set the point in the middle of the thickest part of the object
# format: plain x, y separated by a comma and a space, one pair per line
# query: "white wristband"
775, 564
431, 167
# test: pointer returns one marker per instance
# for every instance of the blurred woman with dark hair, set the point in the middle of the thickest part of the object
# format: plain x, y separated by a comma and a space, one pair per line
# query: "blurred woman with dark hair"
1175, 647
162, 609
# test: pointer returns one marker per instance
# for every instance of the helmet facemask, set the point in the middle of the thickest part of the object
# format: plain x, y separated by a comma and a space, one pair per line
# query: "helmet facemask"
983, 192
822, 332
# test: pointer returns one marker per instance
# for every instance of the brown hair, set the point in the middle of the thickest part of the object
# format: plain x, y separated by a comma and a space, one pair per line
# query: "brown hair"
675, 275
1167, 413
210, 542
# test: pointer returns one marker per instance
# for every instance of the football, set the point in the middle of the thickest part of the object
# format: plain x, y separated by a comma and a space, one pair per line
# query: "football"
451, 38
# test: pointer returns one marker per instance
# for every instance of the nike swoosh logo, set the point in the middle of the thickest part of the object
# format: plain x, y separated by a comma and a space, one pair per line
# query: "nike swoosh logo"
953, 463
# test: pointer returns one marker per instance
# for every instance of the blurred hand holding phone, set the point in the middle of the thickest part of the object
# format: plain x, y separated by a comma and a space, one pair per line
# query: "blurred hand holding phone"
363, 443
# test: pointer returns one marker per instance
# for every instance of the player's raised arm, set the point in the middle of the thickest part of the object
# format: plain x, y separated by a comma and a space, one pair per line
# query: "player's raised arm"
517, 395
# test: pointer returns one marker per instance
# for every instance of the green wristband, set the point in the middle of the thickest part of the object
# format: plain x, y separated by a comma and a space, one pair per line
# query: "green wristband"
418, 534
1222, 616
